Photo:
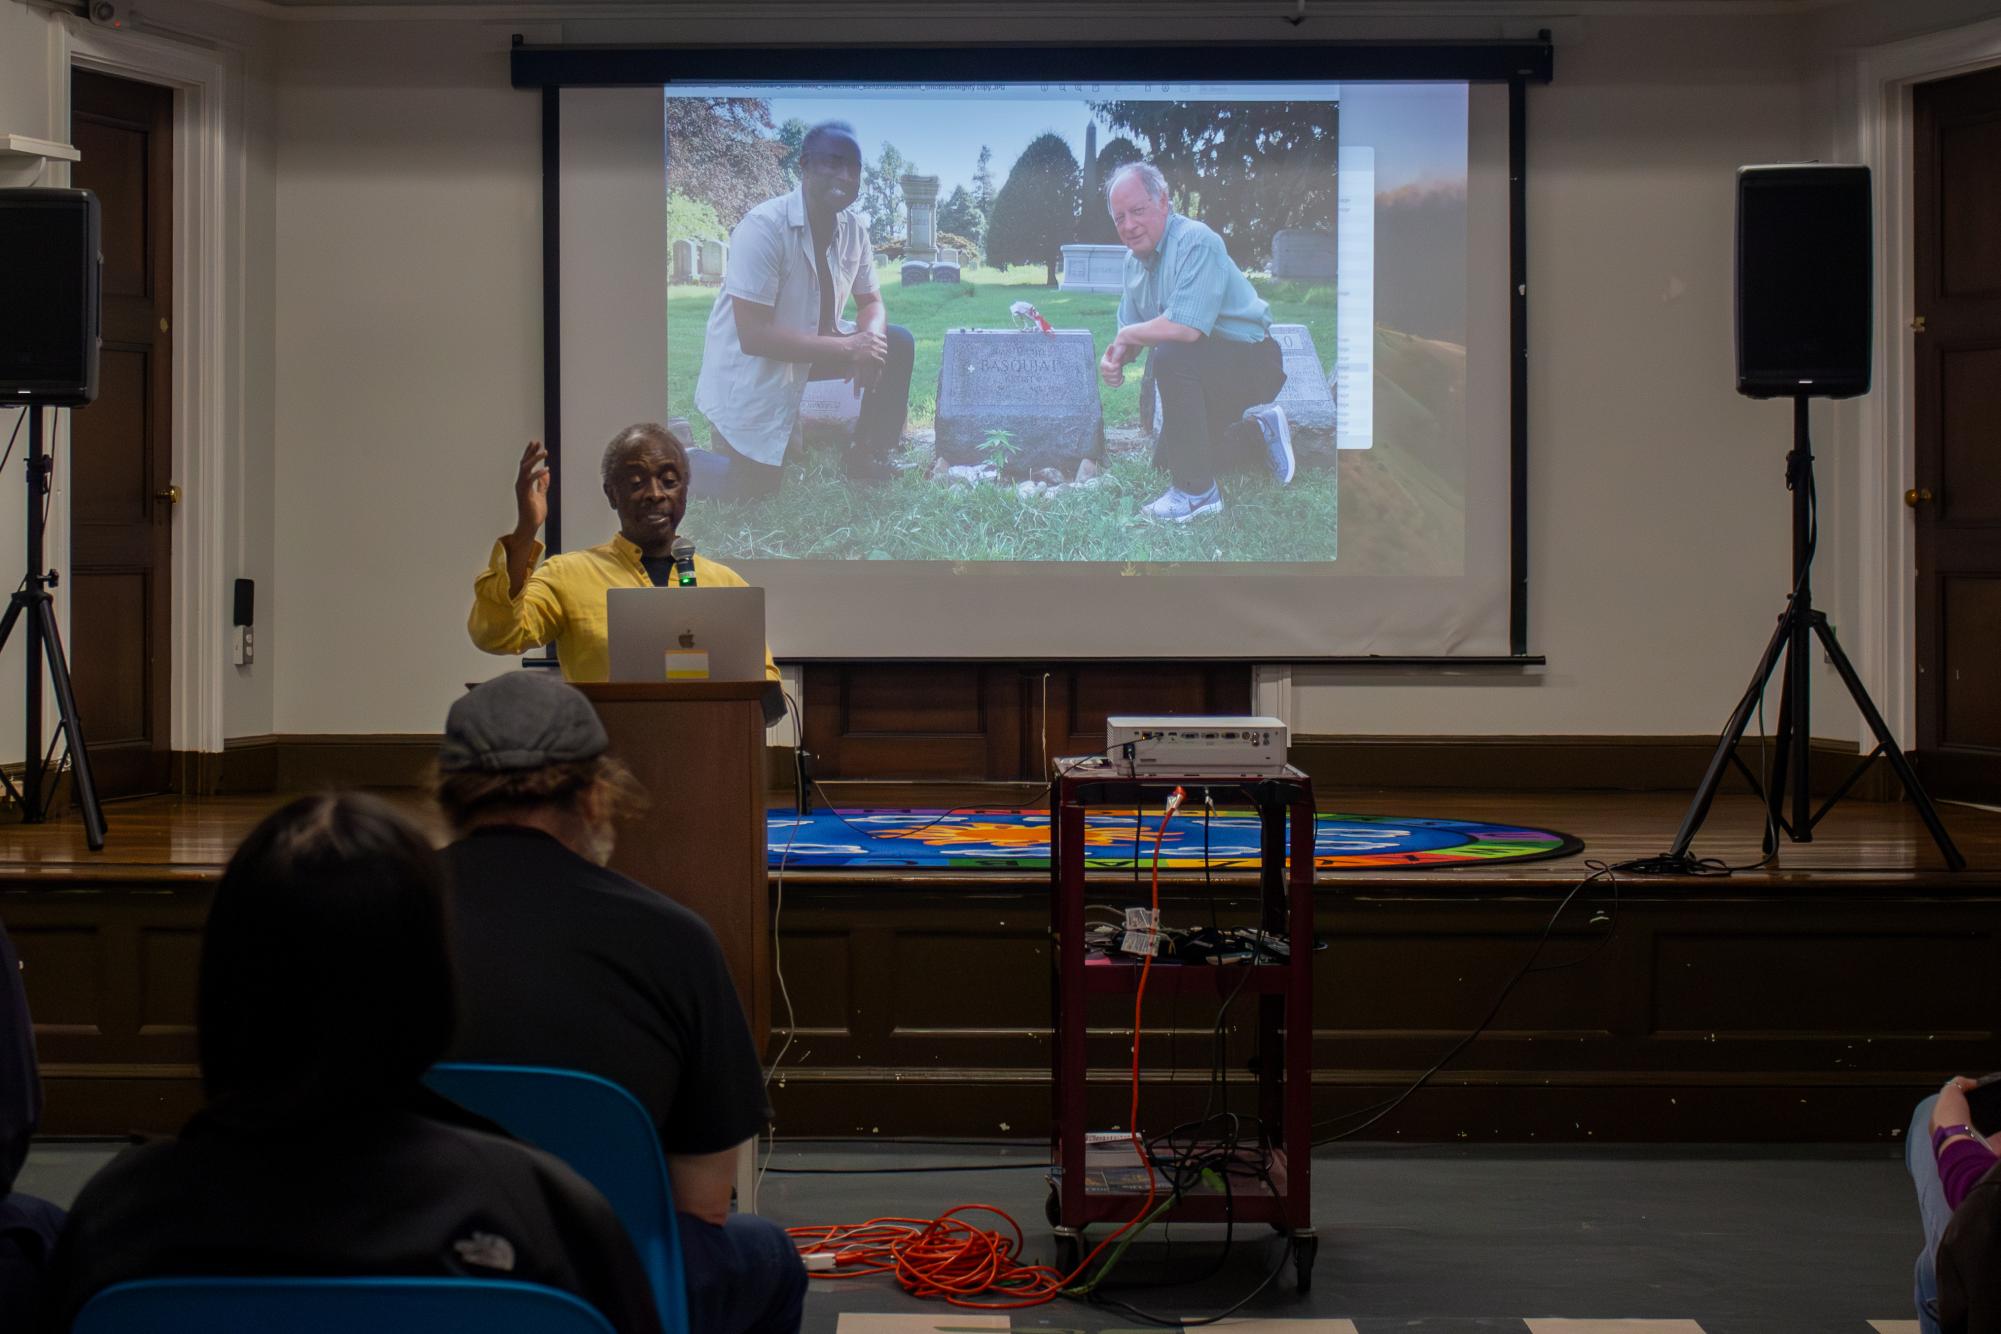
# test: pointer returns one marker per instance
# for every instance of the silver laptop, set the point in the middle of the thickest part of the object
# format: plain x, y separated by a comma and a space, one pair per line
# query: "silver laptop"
678, 634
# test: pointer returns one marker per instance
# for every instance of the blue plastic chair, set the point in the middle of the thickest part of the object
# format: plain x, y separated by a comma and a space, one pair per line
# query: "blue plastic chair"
336, 1306
605, 1136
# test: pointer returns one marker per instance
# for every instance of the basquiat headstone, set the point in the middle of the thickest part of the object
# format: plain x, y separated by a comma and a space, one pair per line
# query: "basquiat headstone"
1030, 399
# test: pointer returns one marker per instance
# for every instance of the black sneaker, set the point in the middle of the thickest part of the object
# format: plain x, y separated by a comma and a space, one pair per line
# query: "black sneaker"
860, 467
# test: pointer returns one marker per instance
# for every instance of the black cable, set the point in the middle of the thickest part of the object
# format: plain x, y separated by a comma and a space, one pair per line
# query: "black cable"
1186, 1321
1390, 1104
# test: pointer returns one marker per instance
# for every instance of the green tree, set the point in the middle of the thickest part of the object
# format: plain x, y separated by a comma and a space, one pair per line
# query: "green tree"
1096, 224
958, 216
792, 134
692, 218
983, 187
1246, 169
882, 194
1035, 213
719, 151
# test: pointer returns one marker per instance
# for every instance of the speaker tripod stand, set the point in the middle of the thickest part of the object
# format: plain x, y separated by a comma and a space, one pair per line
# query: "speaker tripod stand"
1799, 626
34, 606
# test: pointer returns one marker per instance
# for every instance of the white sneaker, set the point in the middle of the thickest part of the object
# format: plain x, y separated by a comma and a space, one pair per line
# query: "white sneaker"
1277, 430
1177, 506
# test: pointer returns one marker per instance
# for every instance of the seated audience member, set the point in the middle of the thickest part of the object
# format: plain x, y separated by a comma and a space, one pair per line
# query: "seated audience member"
517, 606
325, 992
562, 962
28, 1226
1958, 1277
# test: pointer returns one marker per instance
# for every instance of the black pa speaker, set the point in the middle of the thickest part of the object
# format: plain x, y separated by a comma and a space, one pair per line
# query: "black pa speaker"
1805, 281
49, 290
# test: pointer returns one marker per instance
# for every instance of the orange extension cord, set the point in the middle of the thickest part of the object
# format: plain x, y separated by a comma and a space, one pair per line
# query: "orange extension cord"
948, 1257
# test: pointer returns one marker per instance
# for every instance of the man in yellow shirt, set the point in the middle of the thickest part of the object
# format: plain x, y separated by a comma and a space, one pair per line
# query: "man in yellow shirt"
516, 606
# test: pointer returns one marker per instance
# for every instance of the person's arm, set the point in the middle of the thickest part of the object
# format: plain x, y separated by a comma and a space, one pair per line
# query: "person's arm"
703, 1182
513, 609
759, 334
871, 320
1962, 1154
1133, 339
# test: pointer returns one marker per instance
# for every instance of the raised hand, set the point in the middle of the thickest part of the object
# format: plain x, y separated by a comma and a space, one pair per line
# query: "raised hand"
531, 491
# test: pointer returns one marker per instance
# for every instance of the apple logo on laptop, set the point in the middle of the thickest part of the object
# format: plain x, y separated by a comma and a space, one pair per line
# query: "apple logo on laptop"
687, 639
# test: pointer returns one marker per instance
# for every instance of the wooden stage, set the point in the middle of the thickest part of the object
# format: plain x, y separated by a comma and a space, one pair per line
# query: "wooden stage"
1813, 999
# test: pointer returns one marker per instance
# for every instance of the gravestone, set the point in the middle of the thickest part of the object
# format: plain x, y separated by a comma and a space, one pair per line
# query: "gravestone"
1303, 254
920, 195
915, 271
829, 411
1307, 397
1093, 268
879, 259
1041, 388
714, 255
684, 260
942, 272
948, 254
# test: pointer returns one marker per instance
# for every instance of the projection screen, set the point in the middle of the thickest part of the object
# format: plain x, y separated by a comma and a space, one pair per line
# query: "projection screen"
1362, 225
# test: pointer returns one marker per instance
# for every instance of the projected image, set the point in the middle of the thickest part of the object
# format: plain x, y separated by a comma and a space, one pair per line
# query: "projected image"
1103, 323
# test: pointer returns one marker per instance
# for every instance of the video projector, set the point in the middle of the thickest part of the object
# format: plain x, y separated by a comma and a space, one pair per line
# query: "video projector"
1196, 746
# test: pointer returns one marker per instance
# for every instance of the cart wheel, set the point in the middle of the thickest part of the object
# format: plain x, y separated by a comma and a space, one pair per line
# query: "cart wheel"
1069, 1251
1052, 1209
1305, 1246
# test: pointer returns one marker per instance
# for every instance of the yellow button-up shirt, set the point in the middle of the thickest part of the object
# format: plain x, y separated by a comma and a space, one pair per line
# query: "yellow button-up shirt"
563, 599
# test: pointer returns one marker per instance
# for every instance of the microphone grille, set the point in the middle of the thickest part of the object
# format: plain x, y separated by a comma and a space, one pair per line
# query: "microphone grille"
681, 548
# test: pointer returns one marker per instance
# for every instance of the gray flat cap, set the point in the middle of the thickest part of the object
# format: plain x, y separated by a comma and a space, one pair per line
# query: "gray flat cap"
523, 720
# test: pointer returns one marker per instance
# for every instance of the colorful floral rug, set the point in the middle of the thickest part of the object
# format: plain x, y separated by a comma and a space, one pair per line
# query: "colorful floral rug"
973, 840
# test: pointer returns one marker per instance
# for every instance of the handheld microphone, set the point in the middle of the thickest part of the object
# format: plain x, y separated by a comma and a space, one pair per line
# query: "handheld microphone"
683, 552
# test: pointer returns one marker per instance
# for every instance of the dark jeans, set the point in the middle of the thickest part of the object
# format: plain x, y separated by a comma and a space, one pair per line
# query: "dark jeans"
880, 425
1204, 387
743, 1278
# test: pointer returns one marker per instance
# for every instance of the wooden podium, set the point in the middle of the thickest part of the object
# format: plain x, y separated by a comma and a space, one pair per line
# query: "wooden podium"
697, 747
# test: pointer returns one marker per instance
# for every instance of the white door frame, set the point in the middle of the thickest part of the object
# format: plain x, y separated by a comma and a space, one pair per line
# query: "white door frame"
209, 169
1887, 557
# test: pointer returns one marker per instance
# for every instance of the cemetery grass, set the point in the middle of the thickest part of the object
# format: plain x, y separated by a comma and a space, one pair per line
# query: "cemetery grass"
979, 302
821, 515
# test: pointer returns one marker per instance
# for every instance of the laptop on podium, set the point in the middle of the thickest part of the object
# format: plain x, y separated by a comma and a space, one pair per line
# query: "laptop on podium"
685, 634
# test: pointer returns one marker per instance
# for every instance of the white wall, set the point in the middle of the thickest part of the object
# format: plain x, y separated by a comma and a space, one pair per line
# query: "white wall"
409, 360
32, 102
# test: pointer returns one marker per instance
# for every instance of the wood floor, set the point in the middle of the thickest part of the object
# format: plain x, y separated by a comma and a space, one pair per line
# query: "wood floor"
1881, 844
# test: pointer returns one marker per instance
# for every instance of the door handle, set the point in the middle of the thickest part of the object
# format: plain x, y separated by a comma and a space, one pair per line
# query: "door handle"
172, 495
1918, 495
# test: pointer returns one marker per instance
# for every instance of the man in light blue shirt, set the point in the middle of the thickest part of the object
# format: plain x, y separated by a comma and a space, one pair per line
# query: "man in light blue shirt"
1213, 357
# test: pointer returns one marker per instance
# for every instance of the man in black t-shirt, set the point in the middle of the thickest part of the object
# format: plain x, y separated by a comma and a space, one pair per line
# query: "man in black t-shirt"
563, 962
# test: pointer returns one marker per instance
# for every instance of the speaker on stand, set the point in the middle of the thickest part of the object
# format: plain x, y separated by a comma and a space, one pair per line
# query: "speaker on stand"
1805, 313
50, 269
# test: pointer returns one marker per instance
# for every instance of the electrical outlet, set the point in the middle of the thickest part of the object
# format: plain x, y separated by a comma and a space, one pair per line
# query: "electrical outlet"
245, 648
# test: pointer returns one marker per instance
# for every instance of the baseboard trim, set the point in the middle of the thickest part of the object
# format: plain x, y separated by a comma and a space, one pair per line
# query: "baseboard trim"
1560, 763
304, 761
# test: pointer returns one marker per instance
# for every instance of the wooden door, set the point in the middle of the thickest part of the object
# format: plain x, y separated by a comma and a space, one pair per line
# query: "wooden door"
993, 722
121, 448
1957, 500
